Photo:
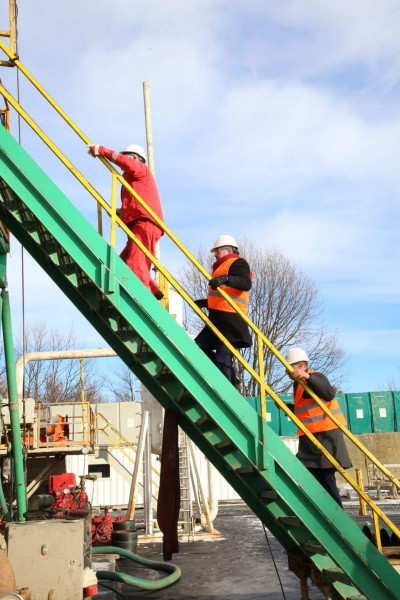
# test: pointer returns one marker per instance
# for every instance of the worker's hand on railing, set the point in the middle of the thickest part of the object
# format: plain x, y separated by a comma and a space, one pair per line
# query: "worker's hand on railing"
218, 280
93, 150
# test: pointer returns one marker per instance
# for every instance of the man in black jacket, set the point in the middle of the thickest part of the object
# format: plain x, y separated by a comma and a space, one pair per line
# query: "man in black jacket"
318, 423
233, 275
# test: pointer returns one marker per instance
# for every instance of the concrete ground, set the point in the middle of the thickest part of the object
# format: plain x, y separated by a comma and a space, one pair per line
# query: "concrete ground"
238, 566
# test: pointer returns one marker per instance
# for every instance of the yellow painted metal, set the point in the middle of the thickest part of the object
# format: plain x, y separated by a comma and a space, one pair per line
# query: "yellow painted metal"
363, 506
10, 34
119, 442
260, 336
12, 25
113, 209
263, 402
99, 220
378, 541
262, 377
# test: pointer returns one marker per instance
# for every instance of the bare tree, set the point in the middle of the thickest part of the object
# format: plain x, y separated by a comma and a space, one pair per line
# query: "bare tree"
54, 380
285, 305
124, 385
393, 384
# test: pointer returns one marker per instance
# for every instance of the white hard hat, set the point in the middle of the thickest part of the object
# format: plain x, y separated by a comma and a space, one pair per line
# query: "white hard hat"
224, 240
134, 149
295, 355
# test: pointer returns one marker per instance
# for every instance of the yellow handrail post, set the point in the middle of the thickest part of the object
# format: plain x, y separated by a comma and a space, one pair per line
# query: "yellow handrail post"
363, 506
10, 34
263, 402
111, 258
378, 540
99, 220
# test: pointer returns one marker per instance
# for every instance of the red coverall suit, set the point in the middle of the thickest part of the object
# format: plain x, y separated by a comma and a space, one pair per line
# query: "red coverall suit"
140, 178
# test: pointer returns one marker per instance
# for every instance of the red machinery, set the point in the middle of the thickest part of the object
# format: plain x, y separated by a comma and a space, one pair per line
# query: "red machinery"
72, 500
102, 527
68, 497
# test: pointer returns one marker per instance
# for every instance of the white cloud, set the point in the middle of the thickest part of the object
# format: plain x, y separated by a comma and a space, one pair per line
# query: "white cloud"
288, 135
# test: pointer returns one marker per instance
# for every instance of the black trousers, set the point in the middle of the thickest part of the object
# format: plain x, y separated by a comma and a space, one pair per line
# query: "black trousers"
326, 477
218, 353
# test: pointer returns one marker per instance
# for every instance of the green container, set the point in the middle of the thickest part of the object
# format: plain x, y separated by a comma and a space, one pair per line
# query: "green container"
288, 428
383, 417
272, 411
359, 411
341, 398
396, 404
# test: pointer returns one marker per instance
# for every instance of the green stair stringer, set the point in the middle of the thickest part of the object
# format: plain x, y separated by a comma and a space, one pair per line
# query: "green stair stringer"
287, 499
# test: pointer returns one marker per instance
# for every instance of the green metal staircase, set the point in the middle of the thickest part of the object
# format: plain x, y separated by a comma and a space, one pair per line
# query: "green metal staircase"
274, 484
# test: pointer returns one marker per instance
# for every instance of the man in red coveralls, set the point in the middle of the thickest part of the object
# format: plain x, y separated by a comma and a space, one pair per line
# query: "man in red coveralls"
132, 161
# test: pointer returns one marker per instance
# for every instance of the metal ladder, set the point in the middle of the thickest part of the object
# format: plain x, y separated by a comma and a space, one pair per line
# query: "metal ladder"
186, 510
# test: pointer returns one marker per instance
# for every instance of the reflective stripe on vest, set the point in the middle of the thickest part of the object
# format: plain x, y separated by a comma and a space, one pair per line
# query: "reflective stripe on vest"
312, 415
241, 298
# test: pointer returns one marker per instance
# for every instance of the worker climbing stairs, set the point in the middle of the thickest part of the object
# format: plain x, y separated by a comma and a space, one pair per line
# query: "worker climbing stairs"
319, 537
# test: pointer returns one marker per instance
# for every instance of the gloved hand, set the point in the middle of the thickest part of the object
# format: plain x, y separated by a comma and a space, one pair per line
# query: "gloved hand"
218, 280
201, 303
93, 150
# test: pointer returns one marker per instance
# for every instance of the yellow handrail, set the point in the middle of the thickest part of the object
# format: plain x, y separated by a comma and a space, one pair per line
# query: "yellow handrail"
261, 338
108, 425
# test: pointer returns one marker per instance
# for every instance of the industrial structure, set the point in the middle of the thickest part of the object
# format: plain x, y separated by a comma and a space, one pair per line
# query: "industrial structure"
321, 540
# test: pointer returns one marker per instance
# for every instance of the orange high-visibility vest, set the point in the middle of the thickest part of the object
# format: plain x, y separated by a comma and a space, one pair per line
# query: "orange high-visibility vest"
239, 297
312, 416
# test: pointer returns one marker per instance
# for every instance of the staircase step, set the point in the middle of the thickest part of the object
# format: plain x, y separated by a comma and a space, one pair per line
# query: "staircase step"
336, 574
268, 495
290, 521
245, 470
313, 548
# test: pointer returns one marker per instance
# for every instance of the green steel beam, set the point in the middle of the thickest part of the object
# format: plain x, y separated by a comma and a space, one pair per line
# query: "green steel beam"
13, 406
221, 422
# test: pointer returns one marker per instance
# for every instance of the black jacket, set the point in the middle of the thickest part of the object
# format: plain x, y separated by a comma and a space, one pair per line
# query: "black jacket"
230, 324
332, 440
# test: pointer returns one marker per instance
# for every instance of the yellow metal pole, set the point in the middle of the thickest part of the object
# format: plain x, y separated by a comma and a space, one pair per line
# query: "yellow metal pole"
12, 26
149, 133
363, 506
263, 402
113, 209
99, 220
10, 34
378, 540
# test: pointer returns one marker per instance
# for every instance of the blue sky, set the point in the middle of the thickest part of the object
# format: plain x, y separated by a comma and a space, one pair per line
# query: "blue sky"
274, 120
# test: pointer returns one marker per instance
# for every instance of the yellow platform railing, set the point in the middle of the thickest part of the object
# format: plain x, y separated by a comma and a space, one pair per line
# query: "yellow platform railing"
102, 425
261, 339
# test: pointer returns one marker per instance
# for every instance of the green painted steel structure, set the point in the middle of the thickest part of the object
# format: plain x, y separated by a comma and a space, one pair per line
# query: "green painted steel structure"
287, 499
